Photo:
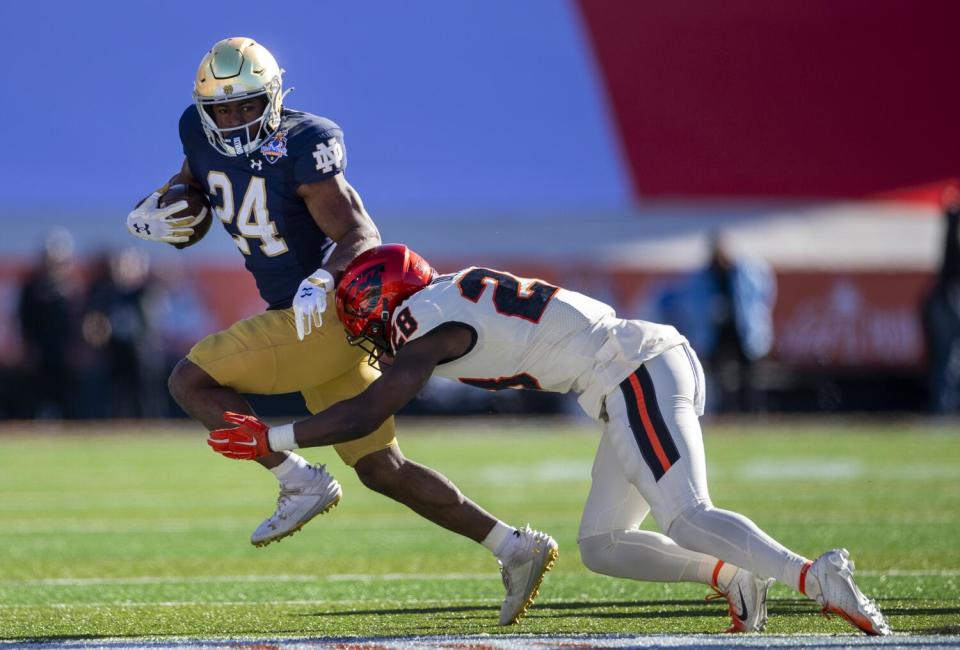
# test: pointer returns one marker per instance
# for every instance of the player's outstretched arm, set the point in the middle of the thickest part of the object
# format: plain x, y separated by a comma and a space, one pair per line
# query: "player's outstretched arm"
337, 209
361, 415
352, 418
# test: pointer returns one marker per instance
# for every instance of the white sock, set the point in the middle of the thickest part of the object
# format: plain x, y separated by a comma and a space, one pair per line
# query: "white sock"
295, 469
498, 539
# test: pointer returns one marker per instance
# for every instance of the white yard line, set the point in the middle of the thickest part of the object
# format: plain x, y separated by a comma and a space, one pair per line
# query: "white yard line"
360, 577
154, 580
373, 577
174, 580
912, 573
515, 642
248, 603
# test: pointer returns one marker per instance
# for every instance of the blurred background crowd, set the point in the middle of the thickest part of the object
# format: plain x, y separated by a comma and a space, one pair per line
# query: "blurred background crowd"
776, 180
97, 337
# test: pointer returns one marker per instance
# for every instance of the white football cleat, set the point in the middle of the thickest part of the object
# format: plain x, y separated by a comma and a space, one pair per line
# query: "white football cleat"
839, 593
523, 572
747, 597
297, 505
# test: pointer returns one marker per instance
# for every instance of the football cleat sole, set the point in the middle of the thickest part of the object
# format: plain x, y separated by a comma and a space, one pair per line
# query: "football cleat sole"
552, 555
862, 622
862, 613
327, 508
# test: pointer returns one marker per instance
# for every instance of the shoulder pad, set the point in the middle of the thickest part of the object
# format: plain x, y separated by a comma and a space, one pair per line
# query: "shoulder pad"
303, 128
315, 145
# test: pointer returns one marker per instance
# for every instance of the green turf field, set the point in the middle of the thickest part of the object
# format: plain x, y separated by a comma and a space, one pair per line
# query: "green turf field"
146, 533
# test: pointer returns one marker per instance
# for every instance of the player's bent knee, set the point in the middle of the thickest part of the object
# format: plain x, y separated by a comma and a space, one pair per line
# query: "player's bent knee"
186, 378
381, 470
596, 553
379, 479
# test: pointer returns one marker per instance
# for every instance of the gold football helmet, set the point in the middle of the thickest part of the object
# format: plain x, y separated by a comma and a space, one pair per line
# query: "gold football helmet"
235, 69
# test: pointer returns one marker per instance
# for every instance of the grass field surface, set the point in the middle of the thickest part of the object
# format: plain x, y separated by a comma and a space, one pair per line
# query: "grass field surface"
145, 533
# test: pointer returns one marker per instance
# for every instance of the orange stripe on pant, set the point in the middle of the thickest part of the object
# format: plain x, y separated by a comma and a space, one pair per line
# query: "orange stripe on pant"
648, 425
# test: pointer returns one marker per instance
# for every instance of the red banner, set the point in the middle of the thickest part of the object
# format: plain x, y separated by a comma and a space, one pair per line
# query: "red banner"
820, 98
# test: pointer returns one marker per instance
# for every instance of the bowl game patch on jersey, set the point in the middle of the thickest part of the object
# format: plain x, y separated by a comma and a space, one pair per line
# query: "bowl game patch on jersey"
275, 147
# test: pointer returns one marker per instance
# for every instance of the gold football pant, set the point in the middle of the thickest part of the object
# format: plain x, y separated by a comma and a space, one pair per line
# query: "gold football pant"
263, 356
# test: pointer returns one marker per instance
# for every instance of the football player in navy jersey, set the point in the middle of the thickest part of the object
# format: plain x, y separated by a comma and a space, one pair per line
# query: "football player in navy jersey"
275, 180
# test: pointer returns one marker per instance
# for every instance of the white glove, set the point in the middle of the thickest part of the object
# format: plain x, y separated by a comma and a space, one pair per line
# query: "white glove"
311, 301
153, 223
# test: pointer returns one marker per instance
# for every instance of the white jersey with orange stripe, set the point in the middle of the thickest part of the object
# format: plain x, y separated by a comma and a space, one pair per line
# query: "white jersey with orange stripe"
530, 334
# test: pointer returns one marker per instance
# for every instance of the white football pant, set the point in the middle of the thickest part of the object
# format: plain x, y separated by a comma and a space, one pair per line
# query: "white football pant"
651, 459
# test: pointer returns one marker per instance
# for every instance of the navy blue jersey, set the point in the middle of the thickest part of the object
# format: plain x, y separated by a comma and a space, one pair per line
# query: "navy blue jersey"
255, 197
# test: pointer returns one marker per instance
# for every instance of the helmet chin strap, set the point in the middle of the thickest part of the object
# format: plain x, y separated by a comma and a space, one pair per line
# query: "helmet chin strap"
242, 148
238, 147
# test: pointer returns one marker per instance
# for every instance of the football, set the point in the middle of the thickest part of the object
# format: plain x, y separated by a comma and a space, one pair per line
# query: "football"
198, 207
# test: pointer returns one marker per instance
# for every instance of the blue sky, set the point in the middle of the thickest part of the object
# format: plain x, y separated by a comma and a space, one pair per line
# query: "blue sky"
448, 108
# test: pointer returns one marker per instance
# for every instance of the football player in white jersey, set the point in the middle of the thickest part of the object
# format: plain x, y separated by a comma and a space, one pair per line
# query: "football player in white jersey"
641, 380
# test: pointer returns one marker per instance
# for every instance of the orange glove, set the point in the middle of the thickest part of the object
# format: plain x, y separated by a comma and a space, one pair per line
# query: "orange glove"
247, 441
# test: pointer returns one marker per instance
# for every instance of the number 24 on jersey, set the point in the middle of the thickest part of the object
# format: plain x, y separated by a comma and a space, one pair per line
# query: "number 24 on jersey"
253, 217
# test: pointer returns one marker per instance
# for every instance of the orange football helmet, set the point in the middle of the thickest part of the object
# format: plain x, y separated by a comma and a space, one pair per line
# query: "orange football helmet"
372, 287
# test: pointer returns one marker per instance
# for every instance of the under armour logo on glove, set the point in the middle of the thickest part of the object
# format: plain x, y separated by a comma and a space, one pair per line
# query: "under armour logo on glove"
306, 292
151, 222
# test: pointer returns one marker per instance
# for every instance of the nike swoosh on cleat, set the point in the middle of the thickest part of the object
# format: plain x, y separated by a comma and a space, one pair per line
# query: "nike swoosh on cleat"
743, 606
